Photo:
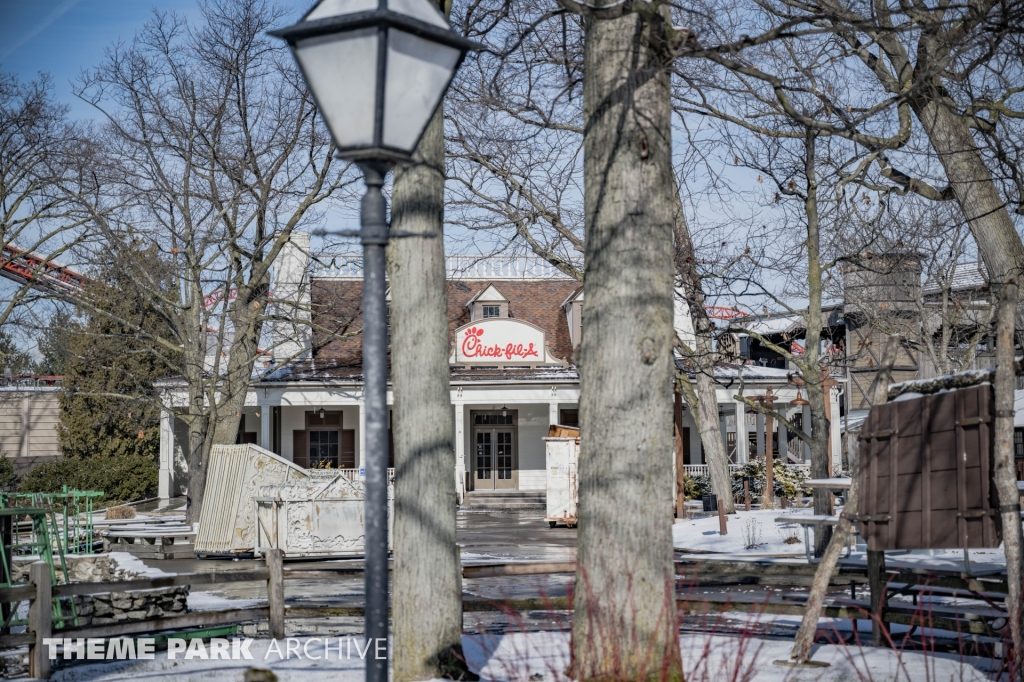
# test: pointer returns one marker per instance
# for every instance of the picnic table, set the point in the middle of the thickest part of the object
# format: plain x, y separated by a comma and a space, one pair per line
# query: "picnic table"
829, 483
806, 521
140, 520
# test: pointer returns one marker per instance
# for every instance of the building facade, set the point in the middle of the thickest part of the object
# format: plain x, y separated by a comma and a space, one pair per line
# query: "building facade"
514, 327
29, 416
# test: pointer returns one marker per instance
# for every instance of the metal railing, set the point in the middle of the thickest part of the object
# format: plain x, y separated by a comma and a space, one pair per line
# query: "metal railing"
350, 266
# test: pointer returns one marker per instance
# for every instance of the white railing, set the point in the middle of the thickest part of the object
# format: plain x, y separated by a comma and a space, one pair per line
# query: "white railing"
350, 266
352, 474
702, 469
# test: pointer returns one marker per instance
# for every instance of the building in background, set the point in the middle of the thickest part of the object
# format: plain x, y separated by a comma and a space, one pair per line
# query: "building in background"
514, 325
29, 416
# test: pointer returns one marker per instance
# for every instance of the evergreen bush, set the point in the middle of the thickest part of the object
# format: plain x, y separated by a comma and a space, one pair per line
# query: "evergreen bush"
7, 476
788, 480
122, 478
697, 486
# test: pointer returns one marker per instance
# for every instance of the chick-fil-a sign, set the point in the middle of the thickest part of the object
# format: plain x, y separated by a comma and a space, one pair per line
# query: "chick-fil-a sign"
474, 346
500, 341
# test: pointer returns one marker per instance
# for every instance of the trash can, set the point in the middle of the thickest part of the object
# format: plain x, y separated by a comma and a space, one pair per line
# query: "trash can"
710, 503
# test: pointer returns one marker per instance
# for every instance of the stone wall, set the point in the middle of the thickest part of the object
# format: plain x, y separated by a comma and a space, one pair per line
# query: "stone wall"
114, 607
111, 607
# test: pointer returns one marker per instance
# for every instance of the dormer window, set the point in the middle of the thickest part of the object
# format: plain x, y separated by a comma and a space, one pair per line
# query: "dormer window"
573, 307
488, 303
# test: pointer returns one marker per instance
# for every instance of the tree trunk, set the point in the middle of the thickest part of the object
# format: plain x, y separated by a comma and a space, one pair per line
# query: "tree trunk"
427, 641
830, 557
822, 575
245, 313
984, 207
1005, 473
703, 402
198, 428
199, 418
812, 350
624, 623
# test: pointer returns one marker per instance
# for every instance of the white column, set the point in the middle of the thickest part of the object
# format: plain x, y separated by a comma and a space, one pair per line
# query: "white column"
782, 408
696, 454
763, 440
460, 451
804, 447
552, 413
361, 402
266, 419
742, 437
834, 435
165, 482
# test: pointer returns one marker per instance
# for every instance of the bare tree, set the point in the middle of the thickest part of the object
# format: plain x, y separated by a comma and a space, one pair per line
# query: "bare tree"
44, 170
955, 68
702, 399
513, 134
217, 155
515, 148
624, 624
428, 643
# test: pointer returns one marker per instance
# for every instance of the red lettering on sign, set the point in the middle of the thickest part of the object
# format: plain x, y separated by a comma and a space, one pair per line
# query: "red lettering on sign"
474, 347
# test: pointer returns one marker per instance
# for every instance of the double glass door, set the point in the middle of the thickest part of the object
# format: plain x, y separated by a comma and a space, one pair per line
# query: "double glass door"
494, 464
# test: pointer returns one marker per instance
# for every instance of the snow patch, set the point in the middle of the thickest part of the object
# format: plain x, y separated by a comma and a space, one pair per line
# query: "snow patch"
133, 567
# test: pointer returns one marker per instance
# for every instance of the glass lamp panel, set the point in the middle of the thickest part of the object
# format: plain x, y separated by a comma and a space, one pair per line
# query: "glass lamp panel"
418, 73
424, 10
333, 8
341, 70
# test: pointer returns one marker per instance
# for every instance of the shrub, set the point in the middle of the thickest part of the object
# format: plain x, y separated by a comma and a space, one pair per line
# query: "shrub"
788, 481
752, 534
7, 476
122, 478
696, 487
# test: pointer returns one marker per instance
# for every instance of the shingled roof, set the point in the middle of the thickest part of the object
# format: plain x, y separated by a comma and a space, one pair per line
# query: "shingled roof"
337, 314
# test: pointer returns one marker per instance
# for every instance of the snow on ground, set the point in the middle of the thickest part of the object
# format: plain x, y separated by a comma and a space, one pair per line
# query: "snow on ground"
130, 563
982, 561
708, 657
537, 656
754, 528
756, 533
211, 601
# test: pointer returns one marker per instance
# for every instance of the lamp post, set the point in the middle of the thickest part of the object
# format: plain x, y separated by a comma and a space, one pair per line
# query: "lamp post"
378, 70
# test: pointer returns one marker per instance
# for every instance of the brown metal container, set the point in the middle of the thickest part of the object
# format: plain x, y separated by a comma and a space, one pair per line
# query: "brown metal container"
926, 473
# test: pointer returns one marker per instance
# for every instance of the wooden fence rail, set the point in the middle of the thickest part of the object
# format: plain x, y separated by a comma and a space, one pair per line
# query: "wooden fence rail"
40, 594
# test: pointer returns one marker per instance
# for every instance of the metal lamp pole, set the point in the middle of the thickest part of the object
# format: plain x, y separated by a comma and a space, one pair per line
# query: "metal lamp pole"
333, 33
374, 235
374, 238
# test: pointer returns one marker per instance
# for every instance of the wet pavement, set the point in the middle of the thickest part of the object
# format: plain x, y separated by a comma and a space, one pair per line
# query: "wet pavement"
483, 537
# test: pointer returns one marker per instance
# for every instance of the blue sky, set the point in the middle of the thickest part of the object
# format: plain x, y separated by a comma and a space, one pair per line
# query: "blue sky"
62, 37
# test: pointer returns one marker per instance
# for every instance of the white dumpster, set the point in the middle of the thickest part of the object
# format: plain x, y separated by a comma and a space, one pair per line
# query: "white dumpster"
563, 454
316, 517
235, 474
